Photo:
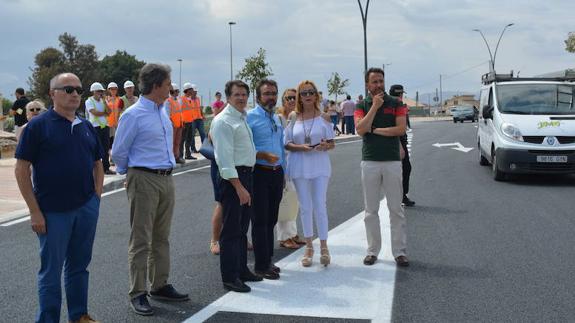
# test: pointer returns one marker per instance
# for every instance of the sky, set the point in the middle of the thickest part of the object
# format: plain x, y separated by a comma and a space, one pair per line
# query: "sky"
417, 40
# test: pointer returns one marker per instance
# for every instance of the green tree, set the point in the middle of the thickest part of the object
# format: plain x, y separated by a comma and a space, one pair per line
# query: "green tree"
6, 105
81, 60
255, 69
570, 42
48, 62
119, 68
336, 85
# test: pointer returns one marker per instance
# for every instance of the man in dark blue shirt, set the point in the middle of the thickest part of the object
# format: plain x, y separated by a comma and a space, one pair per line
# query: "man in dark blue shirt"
64, 201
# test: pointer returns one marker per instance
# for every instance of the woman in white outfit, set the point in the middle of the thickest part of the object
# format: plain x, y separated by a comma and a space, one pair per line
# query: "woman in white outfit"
308, 137
286, 228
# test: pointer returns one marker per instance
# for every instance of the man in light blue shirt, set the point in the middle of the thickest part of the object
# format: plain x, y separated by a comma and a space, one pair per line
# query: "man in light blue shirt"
143, 150
235, 155
268, 176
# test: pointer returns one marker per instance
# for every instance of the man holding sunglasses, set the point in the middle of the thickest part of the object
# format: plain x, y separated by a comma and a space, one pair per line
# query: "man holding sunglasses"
97, 112
268, 176
64, 204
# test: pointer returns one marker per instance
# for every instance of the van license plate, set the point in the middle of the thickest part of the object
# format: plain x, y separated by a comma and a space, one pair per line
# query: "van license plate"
551, 159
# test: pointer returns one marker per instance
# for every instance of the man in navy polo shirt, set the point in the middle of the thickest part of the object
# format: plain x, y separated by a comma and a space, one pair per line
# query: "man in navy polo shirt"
64, 201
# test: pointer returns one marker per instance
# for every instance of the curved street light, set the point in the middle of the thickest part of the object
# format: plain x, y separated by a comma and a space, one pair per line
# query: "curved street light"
493, 56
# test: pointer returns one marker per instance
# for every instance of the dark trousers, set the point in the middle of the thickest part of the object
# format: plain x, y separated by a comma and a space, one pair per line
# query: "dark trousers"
349, 125
236, 220
104, 136
268, 191
342, 124
405, 165
186, 142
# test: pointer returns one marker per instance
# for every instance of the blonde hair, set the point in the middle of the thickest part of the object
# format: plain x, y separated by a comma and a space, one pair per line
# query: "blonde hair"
298, 103
282, 110
36, 104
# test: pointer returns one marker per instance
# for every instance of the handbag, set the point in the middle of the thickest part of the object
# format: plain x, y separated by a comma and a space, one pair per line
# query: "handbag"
289, 205
207, 149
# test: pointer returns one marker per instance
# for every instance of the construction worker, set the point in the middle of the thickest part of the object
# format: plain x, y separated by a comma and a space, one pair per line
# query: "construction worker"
97, 112
173, 103
116, 106
129, 98
190, 107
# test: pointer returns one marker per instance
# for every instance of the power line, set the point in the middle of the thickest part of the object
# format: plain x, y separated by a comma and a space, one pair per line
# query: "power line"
450, 75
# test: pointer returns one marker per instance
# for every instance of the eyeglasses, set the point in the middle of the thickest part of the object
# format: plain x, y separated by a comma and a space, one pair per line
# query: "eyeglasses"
70, 89
270, 93
290, 98
35, 109
307, 93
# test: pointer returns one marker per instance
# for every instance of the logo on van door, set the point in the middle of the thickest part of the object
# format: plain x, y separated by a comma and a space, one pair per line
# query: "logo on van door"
546, 124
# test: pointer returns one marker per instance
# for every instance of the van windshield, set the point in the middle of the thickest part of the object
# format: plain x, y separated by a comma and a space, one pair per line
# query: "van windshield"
535, 98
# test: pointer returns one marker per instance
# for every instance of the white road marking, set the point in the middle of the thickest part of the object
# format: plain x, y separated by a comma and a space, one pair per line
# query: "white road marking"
26, 213
345, 289
457, 145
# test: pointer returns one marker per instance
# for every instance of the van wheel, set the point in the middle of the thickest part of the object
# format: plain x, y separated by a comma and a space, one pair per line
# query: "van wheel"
482, 160
498, 175
454, 121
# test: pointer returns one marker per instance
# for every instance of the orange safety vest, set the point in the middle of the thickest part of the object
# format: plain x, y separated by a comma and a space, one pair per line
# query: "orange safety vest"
114, 105
176, 112
191, 109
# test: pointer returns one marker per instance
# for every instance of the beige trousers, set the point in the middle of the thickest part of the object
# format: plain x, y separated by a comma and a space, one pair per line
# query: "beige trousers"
377, 178
151, 198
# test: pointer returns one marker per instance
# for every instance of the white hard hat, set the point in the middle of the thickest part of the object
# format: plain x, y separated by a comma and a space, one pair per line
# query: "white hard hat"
112, 85
96, 86
188, 86
128, 84
175, 87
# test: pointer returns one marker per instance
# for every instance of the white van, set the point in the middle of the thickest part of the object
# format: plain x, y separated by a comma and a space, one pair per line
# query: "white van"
527, 125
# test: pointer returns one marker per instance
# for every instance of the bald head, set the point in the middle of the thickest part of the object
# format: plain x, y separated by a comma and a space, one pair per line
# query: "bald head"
60, 79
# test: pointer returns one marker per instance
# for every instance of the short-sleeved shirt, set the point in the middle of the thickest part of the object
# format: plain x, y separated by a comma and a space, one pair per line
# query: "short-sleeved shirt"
348, 108
62, 154
376, 147
20, 106
99, 106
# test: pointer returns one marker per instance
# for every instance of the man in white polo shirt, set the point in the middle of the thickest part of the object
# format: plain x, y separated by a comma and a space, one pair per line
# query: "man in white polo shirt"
97, 112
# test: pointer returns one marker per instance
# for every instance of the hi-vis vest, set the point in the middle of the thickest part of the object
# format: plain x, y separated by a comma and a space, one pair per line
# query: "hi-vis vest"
101, 123
191, 109
175, 112
114, 105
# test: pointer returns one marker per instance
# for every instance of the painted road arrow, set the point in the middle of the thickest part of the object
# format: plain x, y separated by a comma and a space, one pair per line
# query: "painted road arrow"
457, 145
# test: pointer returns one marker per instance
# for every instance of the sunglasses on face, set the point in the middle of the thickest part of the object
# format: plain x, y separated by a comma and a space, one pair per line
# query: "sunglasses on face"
270, 93
35, 110
290, 98
307, 93
70, 89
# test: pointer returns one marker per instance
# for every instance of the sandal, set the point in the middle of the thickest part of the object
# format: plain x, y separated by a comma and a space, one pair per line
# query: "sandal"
297, 240
215, 248
325, 258
307, 260
289, 244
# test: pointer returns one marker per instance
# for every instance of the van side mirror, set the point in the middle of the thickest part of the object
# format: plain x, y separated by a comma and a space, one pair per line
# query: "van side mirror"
487, 112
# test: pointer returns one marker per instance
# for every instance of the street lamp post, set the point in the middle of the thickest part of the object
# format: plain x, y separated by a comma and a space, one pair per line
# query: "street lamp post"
364, 21
231, 53
493, 56
180, 84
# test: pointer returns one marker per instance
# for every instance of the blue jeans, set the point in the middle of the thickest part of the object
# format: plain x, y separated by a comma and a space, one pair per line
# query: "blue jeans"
197, 124
349, 125
66, 245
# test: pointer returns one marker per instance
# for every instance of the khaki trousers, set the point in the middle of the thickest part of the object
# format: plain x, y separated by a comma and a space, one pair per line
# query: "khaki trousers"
151, 198
377, 177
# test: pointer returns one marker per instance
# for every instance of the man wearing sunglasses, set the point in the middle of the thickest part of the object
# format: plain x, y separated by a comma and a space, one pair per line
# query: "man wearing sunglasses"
97, 112
66, 155
268, 176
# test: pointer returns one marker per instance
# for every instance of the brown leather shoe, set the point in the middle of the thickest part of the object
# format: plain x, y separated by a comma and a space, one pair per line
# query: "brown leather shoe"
369, 260
289, 244
402, 261
85, 319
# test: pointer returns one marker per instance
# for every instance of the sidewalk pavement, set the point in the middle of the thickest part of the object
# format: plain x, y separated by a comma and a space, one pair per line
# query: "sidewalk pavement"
12, 205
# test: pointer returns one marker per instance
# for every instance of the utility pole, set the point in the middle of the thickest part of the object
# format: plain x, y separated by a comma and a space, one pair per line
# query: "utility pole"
440, 92
364, 21
231, 23
180, 85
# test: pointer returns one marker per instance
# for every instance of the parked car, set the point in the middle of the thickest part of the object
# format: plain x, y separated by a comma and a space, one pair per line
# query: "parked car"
462, 113
527, 125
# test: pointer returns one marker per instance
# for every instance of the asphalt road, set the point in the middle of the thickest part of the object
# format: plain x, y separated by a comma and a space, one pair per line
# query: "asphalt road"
480, 250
